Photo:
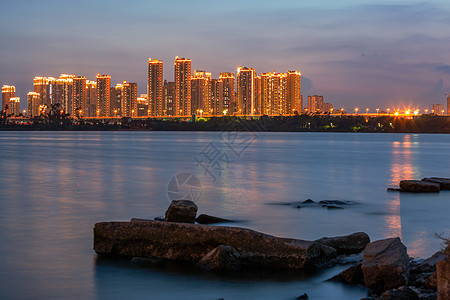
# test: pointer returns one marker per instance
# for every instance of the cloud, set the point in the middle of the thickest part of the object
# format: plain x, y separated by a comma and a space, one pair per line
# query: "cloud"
443, 69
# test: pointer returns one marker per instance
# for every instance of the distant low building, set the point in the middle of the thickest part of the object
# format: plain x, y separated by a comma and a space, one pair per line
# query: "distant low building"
438, 109
14, 106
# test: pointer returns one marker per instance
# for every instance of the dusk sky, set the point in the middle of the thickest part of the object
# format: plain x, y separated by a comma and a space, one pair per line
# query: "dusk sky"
353, 52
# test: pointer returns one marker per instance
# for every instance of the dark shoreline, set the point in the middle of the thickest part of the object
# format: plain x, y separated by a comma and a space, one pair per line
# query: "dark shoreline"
300, 123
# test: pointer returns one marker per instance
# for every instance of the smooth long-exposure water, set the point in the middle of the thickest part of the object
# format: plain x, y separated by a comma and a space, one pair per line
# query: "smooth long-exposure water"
54, 186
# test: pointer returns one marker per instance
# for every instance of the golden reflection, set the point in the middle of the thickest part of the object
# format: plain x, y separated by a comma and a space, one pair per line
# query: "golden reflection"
402, 168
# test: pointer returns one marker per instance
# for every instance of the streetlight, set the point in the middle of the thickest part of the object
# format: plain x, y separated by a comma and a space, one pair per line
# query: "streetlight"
377, 110
388, 110
356, 110
367, 110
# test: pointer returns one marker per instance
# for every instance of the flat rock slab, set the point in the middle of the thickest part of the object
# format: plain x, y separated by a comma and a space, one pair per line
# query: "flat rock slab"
444, 183
418, 186
191, 242
348, 244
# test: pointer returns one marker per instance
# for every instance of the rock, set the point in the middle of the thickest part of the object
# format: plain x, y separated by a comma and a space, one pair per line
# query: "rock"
207, 219
417, 186
302, 297
181, 211
222, 258
385, 265
191, 242
308, 201
161, 218
443, 276
429, 264
402, 293
332, 207
444, 183
431, 283
334, 202
352, 275
139, 220
348, 244
394, 190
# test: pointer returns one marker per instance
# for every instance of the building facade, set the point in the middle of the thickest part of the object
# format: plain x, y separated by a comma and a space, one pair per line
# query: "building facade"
182, 76
169, 98
8, 92
33, 103
294, 101
91, 98
315, 104
79, 97
129, 99
155, 87
103, 95
273, 93
245, 91
201, 94
14, 106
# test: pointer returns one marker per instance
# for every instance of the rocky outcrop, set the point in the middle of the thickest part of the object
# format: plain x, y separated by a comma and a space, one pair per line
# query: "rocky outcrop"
191, 242
444, 183
385, 265
417, 186
207, 219
349, 244
181, 211
352, 276
222, 258
443, 276
402, 293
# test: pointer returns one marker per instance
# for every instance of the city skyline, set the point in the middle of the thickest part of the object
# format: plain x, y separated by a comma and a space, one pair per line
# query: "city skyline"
355, 53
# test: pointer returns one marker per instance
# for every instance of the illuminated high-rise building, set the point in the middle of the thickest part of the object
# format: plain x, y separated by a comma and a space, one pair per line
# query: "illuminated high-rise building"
116, 100
245, 91
63, 92
8, 92
155, 87
33, 103
273, 93
258, 95
226, 94
45, 86
169, 98
315, 104
182, 86
103, 95
216, 102
14, 106
294, 100
91, 98
79, 96
201, 92
129, 99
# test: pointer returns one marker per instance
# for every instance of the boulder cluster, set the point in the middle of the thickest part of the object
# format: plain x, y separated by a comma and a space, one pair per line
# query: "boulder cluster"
385, 269
426, 185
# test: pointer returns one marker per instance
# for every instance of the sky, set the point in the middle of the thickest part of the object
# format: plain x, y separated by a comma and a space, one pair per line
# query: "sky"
356, 53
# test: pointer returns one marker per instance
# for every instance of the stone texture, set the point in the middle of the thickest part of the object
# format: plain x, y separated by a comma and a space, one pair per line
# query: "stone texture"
417, 186
432, 282
349, 244
182, 211
222, 258
403, 293
191, 242
443, 276
352, 275
444, 183
385, 265
207, 219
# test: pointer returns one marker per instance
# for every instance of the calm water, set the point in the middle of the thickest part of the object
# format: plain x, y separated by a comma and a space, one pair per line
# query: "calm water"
55, 185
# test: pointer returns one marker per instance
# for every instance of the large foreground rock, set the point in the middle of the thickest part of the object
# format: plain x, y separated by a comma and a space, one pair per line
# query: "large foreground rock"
222, 258
403, 293
352, 275
385, 265
444, 183
191, 242
183, 211
443, 276
349, 244
417, 186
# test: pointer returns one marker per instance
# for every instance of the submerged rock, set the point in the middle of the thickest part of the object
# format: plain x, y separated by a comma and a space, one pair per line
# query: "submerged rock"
302, 297
222, 258
335, 202
207, 219
444, 183
308, 201
385, 265
181, 211
191, 242
417, 186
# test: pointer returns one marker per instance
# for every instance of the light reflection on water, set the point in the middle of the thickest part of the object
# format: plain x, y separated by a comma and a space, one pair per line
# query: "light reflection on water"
55, 185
